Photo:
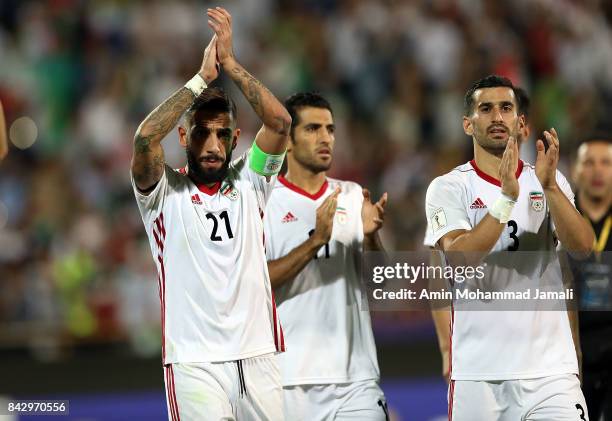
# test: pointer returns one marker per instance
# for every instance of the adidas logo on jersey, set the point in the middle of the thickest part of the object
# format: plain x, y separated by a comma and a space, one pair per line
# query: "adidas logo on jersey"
195, 199
289, 218
478, 204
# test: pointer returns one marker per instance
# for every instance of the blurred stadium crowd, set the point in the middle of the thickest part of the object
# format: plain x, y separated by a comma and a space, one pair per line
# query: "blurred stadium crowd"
74, 262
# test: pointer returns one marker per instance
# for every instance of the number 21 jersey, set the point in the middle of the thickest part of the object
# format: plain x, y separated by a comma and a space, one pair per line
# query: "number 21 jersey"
214, 287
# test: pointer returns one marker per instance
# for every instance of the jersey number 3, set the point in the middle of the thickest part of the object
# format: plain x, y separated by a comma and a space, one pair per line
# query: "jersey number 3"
515, 240
223, 215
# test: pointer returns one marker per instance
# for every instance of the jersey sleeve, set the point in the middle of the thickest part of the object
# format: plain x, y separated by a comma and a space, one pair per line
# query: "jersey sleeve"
150, 204
445, 209
263, 185
566, 188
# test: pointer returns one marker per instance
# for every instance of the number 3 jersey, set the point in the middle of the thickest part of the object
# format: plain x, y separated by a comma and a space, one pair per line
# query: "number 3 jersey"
325, 319
504, 345
214, 287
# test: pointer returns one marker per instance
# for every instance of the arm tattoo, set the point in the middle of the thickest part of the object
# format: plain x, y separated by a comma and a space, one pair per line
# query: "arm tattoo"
148, 160
251, 87
264, 103
163, 119
141, 144
284, 126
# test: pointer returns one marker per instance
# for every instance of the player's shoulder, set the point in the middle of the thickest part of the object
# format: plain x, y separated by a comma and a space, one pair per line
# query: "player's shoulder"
529, 170
346, 187
458, 176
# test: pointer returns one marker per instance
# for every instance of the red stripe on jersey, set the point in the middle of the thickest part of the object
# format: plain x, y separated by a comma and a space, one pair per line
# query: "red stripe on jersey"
169, 394
494, 180
176, 408
159, 223
160, 244
297, 189
161, 278
451, 398
162, 297
279, 338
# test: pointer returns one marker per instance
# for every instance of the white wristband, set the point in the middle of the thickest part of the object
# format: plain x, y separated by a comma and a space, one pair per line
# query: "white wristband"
502, 208
196, 85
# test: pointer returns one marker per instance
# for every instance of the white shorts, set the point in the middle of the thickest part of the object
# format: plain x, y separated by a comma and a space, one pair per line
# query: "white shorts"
244, 390
363, 401
554, 398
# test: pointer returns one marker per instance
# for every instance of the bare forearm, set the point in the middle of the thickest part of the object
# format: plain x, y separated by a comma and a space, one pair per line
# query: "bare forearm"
372, 243
148, 158
287, 267
272, 113
441, 319
574, 232
3, 140
480, 239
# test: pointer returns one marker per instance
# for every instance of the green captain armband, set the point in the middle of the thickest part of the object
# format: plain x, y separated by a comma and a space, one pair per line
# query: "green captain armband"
263, 163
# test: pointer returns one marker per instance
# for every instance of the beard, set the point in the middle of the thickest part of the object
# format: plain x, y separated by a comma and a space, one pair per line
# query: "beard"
312, 164
206, 176
495, 146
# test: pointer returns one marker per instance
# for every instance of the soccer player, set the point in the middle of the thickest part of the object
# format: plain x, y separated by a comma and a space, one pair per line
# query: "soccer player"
220, 330
3, 141
508, 365
316, 228
442, 316
593, 180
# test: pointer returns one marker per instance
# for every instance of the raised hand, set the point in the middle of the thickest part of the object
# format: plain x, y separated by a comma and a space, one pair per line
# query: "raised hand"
546, 161
372, 214
209, 70
507, 169
325, 218
221, 22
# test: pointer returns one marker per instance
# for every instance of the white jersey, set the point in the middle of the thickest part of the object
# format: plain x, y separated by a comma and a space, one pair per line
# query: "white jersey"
216, 299
325, 319
503, 345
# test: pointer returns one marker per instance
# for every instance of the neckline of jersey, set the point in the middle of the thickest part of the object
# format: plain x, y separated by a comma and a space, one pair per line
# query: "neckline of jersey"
494, 180
203, 187
301, 191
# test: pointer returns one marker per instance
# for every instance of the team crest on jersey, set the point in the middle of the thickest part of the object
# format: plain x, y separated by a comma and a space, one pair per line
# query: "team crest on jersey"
341, 215
230, 192
536, 199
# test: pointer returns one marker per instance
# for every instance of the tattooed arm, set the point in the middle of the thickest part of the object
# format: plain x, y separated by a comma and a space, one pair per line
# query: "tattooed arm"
272, 137
148, 158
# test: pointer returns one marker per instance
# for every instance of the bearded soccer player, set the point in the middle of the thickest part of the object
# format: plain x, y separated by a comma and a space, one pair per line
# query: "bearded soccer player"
508, 365
593, 179
219, 323
316, 228
442, 316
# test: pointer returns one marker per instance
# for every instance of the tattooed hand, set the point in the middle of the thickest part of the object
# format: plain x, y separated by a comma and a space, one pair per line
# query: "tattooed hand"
221, 22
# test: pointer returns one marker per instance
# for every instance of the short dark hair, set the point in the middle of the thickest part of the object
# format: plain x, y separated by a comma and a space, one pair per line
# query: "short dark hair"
596, 137
215, 100
304, 99
523, 100
491, 81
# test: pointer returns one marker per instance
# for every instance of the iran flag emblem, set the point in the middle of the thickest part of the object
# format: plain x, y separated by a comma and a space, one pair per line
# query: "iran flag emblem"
536, 198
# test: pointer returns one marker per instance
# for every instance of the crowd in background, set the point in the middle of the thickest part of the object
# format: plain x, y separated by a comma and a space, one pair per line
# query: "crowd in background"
75, 266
